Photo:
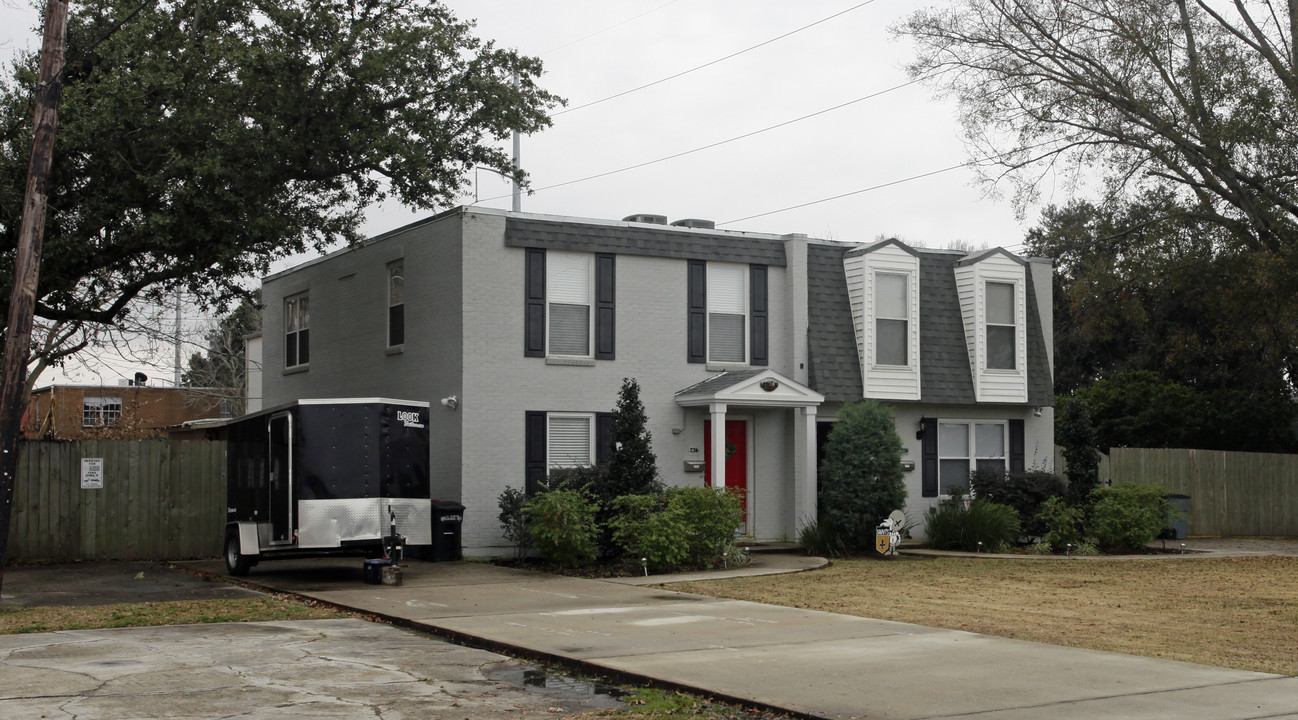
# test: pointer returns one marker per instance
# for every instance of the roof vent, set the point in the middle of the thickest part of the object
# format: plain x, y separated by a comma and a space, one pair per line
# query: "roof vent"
646, 218
695, 223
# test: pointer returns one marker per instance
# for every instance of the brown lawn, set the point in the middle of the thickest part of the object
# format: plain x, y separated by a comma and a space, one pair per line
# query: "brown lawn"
1232, 612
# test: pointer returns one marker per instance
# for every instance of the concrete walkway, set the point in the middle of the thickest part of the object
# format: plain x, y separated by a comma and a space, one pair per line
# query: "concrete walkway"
813, 663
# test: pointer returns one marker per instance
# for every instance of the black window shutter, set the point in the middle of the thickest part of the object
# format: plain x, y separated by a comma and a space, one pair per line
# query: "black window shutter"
535, 452
605, 314
603, 437
1016, 446
757, 312
698, 311
928, 452
534, 317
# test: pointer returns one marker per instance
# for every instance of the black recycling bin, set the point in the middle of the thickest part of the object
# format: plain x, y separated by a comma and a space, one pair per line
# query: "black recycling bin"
448, 518
1178, 516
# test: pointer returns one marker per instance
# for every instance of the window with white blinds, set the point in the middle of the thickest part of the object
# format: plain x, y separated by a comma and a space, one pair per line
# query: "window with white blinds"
571, 440
568, 296
891, 319
1000, 326
727, 312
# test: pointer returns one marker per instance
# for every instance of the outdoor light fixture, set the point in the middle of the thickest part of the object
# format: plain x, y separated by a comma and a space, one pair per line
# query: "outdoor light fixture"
451, 402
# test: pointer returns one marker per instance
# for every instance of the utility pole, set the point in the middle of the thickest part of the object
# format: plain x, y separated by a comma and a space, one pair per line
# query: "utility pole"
22, 302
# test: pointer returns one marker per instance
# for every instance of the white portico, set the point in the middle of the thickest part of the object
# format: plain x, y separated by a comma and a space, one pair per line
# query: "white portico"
734, 393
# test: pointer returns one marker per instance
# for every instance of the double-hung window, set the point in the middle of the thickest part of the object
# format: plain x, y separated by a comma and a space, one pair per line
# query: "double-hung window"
100, 411
297, 333
964, 446
570, 305
727, 313
1001, 348
396, 304
891, 319
569, 302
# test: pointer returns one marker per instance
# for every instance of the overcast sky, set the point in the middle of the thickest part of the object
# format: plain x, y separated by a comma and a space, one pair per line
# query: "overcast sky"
595, 49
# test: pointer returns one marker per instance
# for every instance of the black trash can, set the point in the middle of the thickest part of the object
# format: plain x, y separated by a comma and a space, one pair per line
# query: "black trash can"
1178, 516
448, 518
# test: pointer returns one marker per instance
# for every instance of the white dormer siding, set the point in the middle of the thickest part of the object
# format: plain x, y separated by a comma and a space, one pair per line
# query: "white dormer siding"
876, 273
972, 277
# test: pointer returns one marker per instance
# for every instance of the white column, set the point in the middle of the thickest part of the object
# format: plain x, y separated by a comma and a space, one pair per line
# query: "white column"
804, 469
718, 441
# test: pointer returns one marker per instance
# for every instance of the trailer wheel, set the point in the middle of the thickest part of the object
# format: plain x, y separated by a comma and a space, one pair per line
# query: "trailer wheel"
235, 561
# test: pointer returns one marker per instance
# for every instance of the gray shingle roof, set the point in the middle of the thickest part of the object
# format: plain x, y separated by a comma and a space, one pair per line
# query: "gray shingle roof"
835, 369
945, 375
719, 382
667, 241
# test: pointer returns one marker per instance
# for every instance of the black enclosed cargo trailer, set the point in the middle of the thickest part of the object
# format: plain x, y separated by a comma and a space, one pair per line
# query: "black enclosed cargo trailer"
321, 476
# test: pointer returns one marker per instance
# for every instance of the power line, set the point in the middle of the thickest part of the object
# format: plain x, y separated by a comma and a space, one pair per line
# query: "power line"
713, 62
610, 27
719, 143
849, 194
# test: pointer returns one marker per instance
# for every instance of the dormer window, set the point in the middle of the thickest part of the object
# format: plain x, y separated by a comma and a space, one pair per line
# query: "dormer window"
891, 319
1000, 326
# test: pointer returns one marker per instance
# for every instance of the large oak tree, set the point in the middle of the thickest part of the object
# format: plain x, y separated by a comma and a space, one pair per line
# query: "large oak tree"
200, 140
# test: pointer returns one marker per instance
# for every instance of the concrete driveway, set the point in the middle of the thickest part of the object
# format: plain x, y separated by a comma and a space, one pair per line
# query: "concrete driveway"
813, 663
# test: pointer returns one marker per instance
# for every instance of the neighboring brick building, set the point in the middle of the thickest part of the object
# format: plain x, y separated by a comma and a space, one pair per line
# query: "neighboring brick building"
78, 412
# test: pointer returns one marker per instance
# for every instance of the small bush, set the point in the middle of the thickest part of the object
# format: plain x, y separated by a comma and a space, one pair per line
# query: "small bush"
1125, 517
683, 526
512, 520
822, 537
561, 524
1064, 524
648, 529
1025, 492
710, 518
861, 479
953, 527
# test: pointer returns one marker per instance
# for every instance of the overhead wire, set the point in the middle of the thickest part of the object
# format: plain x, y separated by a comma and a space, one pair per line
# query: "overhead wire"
610, 27
712, 62
719, 143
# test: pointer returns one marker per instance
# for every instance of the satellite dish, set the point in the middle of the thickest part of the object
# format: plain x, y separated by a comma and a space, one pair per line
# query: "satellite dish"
897, 517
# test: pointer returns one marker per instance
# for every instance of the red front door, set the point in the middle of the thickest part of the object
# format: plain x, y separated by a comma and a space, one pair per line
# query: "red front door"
736, 458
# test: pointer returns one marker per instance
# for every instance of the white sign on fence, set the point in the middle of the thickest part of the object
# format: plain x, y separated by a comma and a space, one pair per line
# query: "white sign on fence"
92, 473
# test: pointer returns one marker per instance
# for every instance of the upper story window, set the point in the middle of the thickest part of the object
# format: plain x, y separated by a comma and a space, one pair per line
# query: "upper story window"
964, 446
891, 319
100, 411
569, 302
396, 304
297, 333
1001, 346
727, 313
728, 321
570, 440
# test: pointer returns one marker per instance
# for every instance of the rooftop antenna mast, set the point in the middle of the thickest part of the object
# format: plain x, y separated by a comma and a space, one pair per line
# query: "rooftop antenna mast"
518, 192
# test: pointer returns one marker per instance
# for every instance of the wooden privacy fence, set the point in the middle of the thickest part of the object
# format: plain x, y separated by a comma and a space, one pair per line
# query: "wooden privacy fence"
160, 499
1231, 493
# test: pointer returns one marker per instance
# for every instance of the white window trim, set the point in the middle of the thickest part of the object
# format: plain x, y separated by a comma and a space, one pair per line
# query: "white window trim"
1017, 325
909, 318
746, 294
973, 457
590, 304
100, 403
590, 451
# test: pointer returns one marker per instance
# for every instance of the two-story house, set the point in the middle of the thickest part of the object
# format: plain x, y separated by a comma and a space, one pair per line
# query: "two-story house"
520, 328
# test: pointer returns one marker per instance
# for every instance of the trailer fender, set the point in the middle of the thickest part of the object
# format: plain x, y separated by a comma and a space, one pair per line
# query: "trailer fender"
248, 544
